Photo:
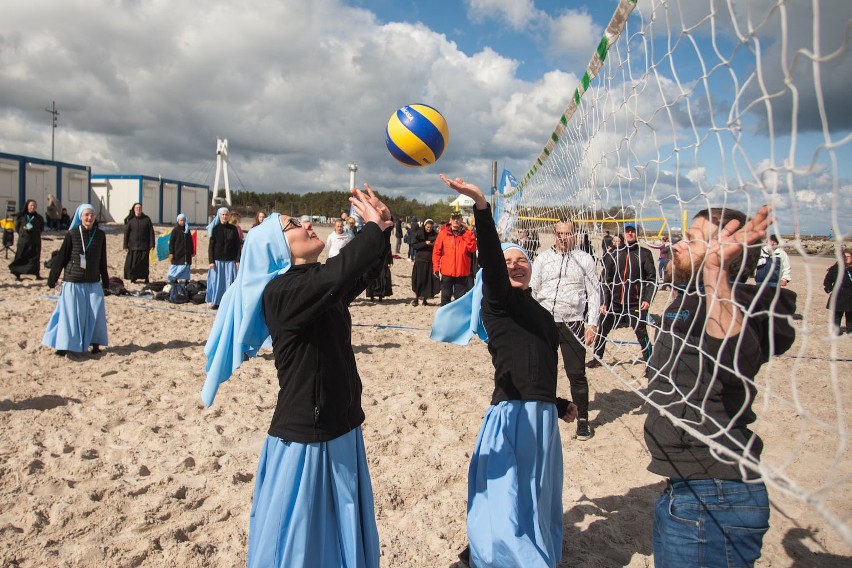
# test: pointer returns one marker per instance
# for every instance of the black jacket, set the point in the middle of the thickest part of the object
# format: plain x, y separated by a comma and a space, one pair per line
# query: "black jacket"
631, 279
225, 243
689, 376
69, 258
424, 251
139, 233
522, 336
180, 246
843, 292
307, 312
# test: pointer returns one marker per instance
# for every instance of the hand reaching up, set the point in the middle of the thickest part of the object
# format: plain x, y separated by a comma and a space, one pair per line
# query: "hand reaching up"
370, 207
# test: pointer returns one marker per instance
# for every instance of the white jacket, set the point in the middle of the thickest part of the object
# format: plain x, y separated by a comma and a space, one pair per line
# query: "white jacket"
336, 242
566, 283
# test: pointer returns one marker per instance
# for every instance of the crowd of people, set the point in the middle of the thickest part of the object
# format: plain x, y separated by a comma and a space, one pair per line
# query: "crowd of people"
313, 501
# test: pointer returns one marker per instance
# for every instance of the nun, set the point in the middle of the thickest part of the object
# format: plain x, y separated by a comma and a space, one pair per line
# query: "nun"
224, 256
79, 320
313, 499
138, 242
29, 226
181, 251
514, 505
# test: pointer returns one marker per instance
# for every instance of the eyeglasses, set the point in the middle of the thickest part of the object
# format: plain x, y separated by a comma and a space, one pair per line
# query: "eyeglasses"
291, 221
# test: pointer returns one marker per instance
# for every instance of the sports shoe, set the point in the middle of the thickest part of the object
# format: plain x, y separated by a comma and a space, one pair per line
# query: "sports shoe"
584, 431
593, 364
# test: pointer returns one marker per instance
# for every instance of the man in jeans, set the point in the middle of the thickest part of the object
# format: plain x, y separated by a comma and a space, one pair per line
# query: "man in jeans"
451, 258
565, 281
714, 337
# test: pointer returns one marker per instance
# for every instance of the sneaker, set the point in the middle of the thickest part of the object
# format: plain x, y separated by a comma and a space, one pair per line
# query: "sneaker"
593, 364
414, 302
464, 556
584, 431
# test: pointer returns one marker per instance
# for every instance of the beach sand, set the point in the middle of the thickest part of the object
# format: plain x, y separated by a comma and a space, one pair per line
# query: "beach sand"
112, 460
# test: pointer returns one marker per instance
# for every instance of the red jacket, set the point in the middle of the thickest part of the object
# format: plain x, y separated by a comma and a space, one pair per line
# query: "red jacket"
451, 255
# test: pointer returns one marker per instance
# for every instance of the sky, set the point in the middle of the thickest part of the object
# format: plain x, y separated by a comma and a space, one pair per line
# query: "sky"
301, 89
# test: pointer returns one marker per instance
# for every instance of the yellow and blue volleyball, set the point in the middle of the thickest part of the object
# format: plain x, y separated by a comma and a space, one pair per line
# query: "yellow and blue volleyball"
417, 135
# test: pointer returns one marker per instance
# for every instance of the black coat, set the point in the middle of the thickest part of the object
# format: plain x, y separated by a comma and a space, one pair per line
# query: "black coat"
844, 293
28, 254
139, 233
225, 243
631, 279
180, 246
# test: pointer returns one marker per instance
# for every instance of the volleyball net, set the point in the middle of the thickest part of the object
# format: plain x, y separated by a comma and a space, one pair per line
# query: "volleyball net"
688, 105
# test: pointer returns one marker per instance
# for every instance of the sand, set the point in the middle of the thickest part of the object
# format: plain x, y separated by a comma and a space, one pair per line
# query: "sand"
112, 460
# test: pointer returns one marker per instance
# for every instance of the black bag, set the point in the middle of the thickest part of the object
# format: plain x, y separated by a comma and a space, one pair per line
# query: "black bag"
116, 286
178, 294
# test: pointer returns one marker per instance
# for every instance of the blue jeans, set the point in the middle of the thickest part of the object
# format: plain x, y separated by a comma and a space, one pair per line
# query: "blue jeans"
710, 523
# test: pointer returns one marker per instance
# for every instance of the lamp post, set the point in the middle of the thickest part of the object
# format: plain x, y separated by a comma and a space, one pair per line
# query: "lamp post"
55, 114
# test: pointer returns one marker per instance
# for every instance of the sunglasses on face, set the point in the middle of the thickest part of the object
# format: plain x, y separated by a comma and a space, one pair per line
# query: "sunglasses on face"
292, 221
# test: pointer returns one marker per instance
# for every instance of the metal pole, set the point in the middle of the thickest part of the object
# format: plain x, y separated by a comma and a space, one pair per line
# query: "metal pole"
493, 183
55, 114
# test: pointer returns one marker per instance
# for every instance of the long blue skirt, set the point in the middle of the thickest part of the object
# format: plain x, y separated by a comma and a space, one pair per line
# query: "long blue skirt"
178, 272
514, 491
218, 280
313, 506
79, 319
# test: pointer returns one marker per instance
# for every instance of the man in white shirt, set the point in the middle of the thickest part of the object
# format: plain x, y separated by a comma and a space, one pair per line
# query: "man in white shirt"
565, 281
337, 240
773, 266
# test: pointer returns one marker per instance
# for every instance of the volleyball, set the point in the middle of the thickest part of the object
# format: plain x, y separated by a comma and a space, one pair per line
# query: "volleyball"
417, 135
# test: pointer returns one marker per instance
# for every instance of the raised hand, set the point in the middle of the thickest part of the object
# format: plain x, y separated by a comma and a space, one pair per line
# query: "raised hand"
370, 208
732, 239
465, 188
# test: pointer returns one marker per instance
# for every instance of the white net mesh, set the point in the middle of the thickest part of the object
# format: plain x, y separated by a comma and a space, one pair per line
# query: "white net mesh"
703, 104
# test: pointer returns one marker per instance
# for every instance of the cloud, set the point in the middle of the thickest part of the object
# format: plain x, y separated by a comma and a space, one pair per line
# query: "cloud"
519, 14
574, 34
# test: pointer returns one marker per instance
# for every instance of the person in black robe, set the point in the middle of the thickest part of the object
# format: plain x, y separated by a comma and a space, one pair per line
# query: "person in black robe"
29, 226
138, 242
381, 286
181, 251
424, 283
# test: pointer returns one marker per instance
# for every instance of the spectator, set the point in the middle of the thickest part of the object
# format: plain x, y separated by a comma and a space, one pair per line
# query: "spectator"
29, 226
138, 242
841, 292
606, 241
65, 220
53, 213
424, 283
565, 282
258, 218
773, 267
665, 254
223, 253
628, 288
397, 232
79, 320
181, 251
451, 258
337, 239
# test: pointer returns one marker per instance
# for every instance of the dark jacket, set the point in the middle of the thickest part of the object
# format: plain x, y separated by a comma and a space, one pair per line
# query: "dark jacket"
180, 246
139, 233
35, 220
844, 292
307, 312
424, 251
631, 279
225, 243
69, 258
716, 402
522, 336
